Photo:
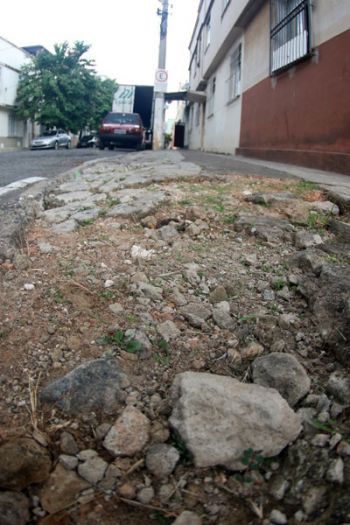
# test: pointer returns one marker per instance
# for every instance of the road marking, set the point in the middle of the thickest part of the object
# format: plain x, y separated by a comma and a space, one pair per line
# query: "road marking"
20, 184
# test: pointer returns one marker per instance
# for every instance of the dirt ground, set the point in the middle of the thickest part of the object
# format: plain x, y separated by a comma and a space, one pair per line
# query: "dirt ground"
55, 314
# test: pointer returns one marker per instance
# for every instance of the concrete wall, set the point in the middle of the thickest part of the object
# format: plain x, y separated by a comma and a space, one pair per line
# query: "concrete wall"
301, 115
220, 130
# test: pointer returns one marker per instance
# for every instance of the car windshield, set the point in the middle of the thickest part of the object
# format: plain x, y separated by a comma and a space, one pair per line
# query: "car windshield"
51, 133
121, 118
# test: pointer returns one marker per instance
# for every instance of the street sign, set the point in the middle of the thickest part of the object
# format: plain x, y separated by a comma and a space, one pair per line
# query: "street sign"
161, 80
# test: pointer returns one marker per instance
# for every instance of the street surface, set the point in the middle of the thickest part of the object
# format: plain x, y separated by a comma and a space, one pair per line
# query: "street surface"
17, 165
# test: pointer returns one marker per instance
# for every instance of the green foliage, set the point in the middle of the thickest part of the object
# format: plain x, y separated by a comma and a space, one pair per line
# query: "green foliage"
62, 90
250, 318
230, 219
163, 356
278, 284
120, 340
317, 220
305, 185
328, 427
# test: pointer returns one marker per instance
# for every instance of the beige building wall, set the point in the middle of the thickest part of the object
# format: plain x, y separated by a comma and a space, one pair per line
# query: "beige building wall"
256, 65
329, 19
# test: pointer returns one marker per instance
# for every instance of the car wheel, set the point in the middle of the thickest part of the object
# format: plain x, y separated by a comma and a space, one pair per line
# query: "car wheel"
56, 145
68, 145
101, 146
111, 147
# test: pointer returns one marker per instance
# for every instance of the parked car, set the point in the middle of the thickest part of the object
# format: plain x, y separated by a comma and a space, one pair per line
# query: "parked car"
122, 129
52, 139
88, 141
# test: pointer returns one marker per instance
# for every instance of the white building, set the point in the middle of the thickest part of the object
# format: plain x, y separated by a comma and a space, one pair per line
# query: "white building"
275, 74
14, 133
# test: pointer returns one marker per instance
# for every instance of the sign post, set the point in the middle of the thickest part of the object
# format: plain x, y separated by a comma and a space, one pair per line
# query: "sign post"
161, 80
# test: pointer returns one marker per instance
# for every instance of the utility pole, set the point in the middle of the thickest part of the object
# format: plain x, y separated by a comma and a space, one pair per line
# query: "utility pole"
159, 106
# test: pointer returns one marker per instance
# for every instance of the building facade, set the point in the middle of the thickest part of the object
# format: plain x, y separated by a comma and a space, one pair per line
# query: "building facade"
276, 74
14, 133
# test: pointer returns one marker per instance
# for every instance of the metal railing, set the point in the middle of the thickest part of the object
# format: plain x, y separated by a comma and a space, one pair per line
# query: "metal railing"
290, 32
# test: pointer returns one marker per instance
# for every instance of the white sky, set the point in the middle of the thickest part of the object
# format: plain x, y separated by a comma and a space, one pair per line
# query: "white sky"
123, 34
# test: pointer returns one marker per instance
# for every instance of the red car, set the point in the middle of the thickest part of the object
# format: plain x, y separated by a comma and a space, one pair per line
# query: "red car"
122, 129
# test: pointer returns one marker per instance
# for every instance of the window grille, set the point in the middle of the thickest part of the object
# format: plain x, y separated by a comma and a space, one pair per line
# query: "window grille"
290, 32
234, 80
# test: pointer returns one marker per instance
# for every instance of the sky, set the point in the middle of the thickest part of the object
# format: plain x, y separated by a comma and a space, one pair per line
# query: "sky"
123, 34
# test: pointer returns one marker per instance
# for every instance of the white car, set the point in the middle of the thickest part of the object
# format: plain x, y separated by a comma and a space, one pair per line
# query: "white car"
52, 139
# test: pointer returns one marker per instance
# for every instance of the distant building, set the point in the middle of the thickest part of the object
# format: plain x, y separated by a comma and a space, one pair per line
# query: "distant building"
14, 133
276, 75
35, 50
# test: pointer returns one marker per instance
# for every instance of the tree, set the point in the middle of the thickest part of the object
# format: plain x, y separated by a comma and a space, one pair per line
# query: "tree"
62, 90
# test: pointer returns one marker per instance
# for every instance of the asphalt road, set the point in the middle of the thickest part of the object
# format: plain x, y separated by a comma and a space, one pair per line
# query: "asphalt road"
22, 164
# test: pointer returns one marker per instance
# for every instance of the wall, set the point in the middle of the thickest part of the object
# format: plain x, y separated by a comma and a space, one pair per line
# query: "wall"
303, 114
11, 60
220, 131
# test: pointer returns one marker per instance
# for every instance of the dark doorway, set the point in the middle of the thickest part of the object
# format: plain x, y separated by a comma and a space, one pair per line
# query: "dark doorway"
179, 135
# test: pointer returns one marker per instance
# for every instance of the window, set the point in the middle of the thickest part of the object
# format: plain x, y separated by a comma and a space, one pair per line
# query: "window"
212, 88
15, 126
290, 32
234, 80
208, 31
224, 5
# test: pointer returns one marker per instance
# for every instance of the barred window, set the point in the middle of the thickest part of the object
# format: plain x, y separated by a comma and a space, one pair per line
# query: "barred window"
234, 80
290, 32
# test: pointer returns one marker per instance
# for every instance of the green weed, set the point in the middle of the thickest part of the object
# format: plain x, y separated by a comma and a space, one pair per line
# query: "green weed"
186, 202
278, 284
120, 340
328, 427
230, 219
250, 318
305, 185
317, 220
87, 222
253, 461
57, 295
107, 294
163, 356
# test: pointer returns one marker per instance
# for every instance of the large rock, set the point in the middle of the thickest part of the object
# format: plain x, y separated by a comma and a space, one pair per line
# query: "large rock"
129, 434
14, 508
23, 462
93, 386
284, 373
62, 489
219, 418
329, 298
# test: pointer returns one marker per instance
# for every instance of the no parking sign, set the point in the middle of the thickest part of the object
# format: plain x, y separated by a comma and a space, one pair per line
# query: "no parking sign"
161, 80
